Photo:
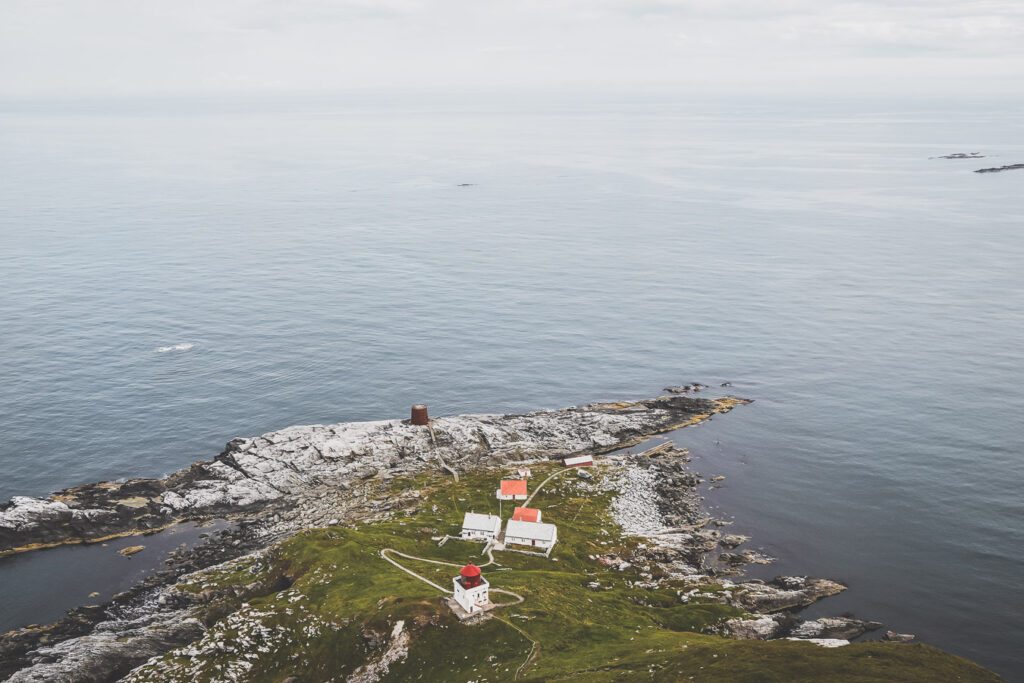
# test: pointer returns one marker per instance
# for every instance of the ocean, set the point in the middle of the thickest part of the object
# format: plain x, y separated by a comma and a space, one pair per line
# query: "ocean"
178, 272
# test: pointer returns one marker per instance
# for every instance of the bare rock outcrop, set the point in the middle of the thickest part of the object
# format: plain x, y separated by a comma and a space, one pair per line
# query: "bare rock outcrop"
110, 651
844, 628
282, 466
784, 592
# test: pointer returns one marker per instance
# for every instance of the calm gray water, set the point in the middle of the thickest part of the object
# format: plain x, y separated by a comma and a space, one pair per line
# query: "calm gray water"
319, 262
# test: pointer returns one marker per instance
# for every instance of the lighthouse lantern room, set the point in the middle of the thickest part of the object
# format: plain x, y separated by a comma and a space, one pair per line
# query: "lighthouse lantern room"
471, 589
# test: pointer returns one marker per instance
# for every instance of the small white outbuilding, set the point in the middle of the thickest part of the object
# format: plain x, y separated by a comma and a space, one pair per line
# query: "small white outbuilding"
483, 527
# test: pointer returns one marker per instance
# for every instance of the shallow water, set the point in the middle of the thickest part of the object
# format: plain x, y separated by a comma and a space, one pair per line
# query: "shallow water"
179, 273
39, 587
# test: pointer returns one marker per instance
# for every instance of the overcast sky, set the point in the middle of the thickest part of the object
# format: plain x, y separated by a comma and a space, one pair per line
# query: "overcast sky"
93, 47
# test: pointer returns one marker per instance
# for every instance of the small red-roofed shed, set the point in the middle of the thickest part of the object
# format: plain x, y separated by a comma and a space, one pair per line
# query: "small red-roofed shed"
526, 515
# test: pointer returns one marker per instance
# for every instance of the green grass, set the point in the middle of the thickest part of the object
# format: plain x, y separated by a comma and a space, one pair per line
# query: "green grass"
319, 600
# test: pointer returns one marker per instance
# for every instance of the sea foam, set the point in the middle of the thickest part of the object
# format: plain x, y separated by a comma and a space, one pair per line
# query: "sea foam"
177, 347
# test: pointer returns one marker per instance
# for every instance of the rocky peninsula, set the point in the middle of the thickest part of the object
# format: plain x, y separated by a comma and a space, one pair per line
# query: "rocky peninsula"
642, 581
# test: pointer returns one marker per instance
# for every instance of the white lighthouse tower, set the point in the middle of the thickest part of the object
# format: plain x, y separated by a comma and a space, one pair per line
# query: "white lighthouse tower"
471, 590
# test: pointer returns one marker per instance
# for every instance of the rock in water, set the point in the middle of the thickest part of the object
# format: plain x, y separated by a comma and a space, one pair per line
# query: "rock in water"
732, 540
894, 637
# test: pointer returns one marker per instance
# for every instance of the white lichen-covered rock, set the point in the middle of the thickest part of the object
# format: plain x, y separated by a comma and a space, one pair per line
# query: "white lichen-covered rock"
25, 513
110, 651
635, 508
843, 628
295, 462
824, 642
784, 592
764, 627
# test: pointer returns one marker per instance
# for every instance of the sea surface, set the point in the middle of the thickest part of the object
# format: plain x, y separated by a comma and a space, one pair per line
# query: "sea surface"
175, 273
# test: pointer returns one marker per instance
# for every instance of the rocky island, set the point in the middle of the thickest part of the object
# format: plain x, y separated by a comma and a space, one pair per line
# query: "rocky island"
642, 584
1000, 169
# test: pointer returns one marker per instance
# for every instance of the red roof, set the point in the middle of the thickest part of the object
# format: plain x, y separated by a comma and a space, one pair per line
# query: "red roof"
513, 487
526, 515
470, 570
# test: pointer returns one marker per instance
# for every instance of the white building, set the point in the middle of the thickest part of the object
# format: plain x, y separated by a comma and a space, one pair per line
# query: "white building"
512, 489
578, 461
484, 527
526, 515
471, 590
534, 534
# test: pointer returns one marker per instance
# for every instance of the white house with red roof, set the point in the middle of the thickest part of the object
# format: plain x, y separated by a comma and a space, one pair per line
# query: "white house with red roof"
526, 515
512, 489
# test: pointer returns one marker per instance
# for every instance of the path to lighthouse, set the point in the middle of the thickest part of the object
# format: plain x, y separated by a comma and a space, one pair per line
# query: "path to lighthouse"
384, 554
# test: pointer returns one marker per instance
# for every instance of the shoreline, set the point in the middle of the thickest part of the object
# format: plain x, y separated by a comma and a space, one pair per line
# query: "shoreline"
367, 452
90, 541
159, 615
254, 473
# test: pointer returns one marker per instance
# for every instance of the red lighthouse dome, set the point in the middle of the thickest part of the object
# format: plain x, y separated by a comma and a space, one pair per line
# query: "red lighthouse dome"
470, 576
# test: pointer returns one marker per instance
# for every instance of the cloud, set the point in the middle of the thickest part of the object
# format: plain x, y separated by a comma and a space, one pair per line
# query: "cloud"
119, 46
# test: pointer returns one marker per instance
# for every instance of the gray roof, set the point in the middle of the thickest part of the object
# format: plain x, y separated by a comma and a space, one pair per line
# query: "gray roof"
532, 530
474, 521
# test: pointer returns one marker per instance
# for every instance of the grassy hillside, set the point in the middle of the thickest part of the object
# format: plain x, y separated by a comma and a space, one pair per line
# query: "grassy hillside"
325, 606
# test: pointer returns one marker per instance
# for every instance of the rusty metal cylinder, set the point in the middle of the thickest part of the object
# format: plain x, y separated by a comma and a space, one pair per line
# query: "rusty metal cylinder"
419, 414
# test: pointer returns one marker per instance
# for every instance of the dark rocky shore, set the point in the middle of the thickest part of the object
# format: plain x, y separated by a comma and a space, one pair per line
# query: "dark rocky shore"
276, 485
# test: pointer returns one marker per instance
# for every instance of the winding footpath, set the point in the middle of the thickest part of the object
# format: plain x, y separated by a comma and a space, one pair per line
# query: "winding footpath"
488, 549
550, 477
384, 553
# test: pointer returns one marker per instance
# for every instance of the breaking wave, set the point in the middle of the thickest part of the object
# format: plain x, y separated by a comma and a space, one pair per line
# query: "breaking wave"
177, 347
